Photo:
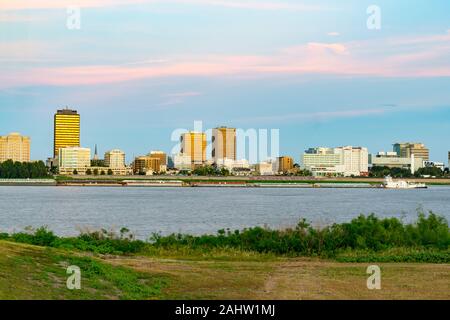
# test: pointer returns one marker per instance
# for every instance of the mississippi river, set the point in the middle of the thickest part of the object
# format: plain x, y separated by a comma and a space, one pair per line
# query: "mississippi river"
203, 210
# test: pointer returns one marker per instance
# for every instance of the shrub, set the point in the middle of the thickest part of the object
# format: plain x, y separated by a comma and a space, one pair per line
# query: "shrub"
429, 237
362, 233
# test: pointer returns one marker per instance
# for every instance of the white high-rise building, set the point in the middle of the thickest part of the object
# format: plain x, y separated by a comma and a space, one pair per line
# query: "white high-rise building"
342, 161
355, 160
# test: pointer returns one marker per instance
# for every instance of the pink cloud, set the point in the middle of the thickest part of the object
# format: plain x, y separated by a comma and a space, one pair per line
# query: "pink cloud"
243, 4
380, 58
336, 48
60, 4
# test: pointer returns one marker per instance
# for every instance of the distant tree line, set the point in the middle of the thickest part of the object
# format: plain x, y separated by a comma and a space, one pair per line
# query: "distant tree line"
23, 170
381, 172
211, 171
98, 163
96, 172
432, 172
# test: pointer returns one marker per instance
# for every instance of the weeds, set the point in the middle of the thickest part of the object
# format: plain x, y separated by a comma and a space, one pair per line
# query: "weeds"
363, 233
427, 240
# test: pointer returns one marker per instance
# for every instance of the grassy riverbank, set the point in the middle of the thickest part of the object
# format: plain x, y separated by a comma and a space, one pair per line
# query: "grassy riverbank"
298, 263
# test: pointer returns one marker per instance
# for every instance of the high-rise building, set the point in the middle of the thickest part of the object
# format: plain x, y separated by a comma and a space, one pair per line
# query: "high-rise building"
342, 161
162, 156
146, 165
193, 144
66, 130
355, 160
285, 164
72, 159
406, 150
115, 159
223, 144
14, 147
320, 158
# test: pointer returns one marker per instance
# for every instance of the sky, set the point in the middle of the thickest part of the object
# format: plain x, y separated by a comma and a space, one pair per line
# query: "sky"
319, 71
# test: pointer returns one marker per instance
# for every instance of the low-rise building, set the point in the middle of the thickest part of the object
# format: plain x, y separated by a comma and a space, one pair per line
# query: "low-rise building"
285, 164
146, 165
182, 162
434, 164
264, 168
161, 155
231, 164
392, 160
115, 159
74, 160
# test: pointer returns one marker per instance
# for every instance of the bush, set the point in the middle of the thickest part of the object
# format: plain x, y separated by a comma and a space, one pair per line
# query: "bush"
40, 237
97, 241
363, 233
426, 240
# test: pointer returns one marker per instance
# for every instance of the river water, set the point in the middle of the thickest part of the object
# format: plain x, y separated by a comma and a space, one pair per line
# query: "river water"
203, 210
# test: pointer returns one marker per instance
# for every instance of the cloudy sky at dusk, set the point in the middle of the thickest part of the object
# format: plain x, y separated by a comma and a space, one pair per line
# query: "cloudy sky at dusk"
138, 69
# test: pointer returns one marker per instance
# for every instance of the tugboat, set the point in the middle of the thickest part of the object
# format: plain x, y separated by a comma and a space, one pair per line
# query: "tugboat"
389, 183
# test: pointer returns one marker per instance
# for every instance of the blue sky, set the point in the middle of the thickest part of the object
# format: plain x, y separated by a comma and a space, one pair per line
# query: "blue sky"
138, 69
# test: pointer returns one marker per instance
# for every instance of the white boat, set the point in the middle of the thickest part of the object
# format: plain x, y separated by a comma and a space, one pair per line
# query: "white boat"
389, 183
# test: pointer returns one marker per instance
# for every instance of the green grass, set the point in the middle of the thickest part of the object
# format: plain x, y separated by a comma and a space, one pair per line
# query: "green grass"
395, 255
28, 272
206, 254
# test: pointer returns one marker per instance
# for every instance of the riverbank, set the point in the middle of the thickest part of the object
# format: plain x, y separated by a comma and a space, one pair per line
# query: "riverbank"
198, 181
300, 263
28, 182
256, 181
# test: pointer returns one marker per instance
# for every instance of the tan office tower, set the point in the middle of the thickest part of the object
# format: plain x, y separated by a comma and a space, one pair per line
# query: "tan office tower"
406, 150
160, 155
285, 164
146, 164
193, 144
66, 130
223, 144
14, 147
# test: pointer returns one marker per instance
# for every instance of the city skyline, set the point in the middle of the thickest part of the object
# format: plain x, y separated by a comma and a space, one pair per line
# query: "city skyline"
161, 66
206, 147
